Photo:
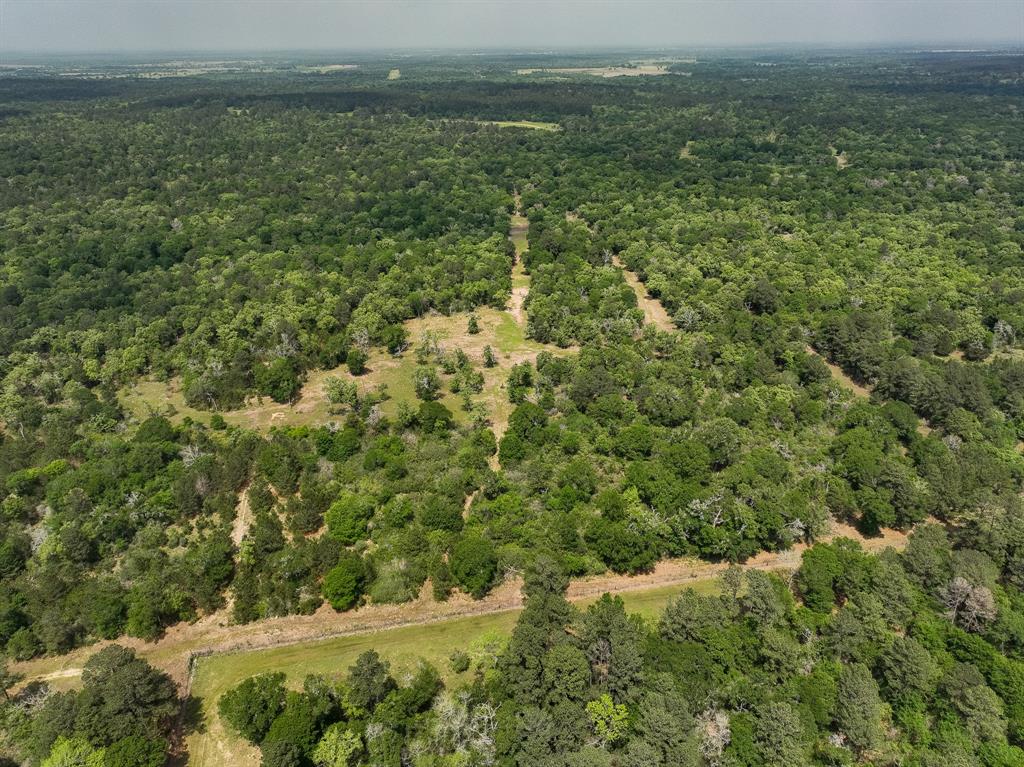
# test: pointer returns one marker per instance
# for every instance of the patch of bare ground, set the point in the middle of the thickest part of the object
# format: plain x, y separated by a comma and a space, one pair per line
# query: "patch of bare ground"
654, 312
517, 301
840, 157
839, 375
174, 652
243, 518
468, 504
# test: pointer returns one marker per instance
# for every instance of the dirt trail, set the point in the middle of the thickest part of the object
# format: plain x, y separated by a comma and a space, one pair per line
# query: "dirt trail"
243, 517
839, 375
175, 651
518, 232
654, 312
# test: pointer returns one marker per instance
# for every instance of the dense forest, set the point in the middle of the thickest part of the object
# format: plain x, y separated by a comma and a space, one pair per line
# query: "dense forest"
837, 240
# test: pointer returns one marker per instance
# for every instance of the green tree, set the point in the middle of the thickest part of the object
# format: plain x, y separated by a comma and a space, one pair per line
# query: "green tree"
347, 517
426, 383
778, 735
490, 360
135, 751
252, 706
819, 569
122, 695
298, 724
474, 564
73, 752
859, 708
908, 670
281, 753
278, 380
609, 720
339, 747
356, 361
343, 583
369, 681
566, 674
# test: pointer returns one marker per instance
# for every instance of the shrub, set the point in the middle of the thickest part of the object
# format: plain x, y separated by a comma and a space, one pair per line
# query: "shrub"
343, 584
474, 564
356, 362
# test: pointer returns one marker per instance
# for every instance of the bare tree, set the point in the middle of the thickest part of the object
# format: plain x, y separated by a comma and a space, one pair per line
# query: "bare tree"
713, 728
970, 607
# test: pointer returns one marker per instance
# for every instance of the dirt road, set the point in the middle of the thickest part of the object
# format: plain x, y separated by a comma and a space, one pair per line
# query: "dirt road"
175, 650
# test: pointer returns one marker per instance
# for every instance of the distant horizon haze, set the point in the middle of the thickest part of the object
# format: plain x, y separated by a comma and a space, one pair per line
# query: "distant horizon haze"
161, 27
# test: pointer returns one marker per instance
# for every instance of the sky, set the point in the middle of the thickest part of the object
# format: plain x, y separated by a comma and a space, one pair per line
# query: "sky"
112, 26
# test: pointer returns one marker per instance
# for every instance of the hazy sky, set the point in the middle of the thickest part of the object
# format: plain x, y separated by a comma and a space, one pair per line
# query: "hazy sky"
167, 25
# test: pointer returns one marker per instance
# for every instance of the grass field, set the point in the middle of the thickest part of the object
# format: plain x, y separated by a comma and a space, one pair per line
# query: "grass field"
521, 124
402, 647
394, 74
634, 71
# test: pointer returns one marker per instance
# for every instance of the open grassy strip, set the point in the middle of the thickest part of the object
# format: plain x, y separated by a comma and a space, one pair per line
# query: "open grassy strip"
402, 647
533, 124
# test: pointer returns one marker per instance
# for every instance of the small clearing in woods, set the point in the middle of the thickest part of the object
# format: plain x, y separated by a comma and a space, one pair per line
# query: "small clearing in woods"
686, 152
840, 157
394, 74
654, 312
636, 71
533, 124
503, 330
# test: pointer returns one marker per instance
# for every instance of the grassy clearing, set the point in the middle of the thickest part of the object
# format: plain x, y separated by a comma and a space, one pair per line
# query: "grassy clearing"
402, 647
149, 397
634, 71
534, 124
394, 74
498, 329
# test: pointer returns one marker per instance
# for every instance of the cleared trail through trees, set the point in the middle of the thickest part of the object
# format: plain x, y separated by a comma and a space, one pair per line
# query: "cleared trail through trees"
518, 232
654, 312
176, 651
